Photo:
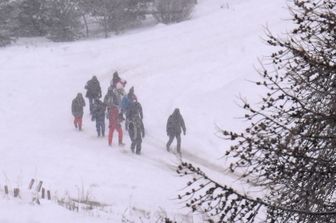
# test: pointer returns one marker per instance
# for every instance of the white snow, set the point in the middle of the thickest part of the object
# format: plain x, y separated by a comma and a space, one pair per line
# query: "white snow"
201, 66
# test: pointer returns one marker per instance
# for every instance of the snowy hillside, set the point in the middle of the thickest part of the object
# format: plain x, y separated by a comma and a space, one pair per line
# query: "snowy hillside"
201, 66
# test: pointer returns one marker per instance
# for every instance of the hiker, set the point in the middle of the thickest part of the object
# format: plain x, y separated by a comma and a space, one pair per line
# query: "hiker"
115, 124
136, 132
127, 103
116, 79
111, 99
127, 100
93, 91
174, 125
98, 115
77, 108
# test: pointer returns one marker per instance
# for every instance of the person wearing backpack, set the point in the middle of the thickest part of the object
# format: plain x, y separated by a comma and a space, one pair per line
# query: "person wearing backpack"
135, 109
111, 99
93, 91
175, 125
98, 115
127, 100
126, 105
115, 124
117, 80
77, 109
136, 132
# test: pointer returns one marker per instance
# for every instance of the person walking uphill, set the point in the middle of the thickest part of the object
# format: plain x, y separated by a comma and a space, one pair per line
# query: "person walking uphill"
117, 80
136, 132
98, 115
127, 103
93, 91
114, 124
77, 108
174, 125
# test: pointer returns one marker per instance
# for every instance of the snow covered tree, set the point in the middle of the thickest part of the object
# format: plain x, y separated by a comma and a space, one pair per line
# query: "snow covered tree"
31, 18
63, 20
289, 149
117, 15
8, 22
172, 11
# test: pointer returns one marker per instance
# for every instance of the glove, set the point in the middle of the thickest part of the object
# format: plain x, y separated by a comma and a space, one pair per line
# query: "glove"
92, 118
184, 133
143, 135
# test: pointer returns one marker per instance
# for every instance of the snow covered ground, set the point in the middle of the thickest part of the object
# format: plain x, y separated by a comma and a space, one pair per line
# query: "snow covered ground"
201, 66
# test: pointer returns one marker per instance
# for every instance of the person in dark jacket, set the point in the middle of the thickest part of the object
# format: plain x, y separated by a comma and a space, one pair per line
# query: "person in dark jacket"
115, 124
134, 109
136, 132
93, 91
175, 124
77, 108
111, 99
98, 115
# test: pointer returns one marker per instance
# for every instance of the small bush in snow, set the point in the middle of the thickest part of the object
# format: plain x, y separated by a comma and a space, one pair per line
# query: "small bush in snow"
172, 11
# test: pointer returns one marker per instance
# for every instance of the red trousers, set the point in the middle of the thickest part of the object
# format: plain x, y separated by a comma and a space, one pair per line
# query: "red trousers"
120, 134
78, 122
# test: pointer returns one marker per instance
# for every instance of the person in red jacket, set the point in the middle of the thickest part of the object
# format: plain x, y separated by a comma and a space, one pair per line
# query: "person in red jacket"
114, 124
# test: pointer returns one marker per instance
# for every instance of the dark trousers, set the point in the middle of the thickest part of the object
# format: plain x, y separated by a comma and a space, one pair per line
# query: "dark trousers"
100, 126
178, 139
91, 100
136, 144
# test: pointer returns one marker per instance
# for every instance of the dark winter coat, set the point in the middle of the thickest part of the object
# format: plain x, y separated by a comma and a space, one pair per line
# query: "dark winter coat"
135, 109
77, 106
136, 128
93, 88
98, 111
111, 99
175, 123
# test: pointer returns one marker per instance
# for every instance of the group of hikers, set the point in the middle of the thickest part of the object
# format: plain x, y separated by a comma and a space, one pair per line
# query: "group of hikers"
117, 106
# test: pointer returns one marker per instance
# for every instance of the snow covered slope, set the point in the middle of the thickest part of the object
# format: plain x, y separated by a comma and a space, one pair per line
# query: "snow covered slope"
201, 66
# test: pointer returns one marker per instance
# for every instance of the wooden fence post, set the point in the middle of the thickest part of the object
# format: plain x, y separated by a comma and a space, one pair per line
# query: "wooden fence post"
31, 184
16, 192
43, 192
49, 195
39, 186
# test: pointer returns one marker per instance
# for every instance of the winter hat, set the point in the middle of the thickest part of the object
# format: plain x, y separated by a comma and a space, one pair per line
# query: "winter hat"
131, 90
115, 74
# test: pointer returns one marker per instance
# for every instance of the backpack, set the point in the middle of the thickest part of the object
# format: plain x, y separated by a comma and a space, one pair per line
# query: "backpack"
135, 127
